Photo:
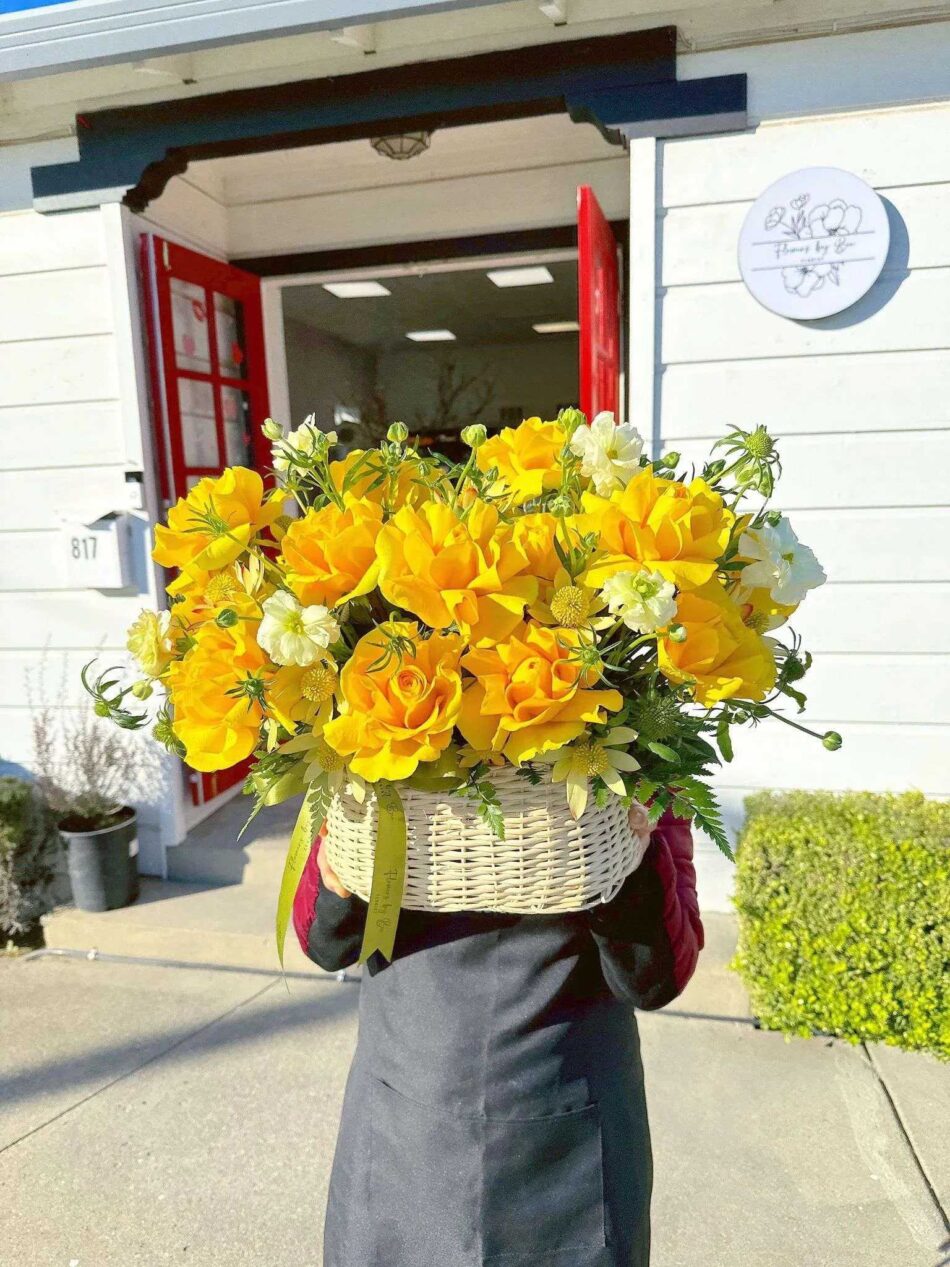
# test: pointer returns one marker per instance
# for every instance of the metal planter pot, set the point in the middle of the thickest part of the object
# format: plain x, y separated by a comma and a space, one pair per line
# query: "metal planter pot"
103, 865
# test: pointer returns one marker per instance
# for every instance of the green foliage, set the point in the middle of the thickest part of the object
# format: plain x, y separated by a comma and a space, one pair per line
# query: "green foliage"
29, 849
844, 907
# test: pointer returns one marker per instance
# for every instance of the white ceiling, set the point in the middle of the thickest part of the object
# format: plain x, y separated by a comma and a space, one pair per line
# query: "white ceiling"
514, 145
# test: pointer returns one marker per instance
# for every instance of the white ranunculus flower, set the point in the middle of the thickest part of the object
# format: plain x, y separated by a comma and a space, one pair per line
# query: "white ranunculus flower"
301, 443
642, 600
609, 452
780, 563
291, 634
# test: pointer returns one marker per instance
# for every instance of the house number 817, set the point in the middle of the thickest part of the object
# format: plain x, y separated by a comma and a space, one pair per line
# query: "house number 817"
83, 547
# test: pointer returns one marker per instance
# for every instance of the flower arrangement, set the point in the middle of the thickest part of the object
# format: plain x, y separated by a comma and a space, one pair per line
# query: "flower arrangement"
556, 605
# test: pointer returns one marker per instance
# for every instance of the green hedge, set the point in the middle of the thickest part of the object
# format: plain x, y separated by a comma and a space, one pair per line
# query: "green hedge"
30, 846
844, 909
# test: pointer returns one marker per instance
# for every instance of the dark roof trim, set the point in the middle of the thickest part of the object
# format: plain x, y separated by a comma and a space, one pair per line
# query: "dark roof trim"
139, 148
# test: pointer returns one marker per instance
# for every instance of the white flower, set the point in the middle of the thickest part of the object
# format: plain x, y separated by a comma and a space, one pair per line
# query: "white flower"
301, 444
642, 600
609, 452
291, 634
780, 563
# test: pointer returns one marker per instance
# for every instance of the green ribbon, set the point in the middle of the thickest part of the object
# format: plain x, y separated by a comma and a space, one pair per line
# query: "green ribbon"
309, 821
389, 873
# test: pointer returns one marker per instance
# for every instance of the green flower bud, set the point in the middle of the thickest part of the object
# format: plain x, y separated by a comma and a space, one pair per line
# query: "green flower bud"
475, 435
714, 469
398, 433
101, 708
676, 633
227, 618
570, 419
669, 460
831, 740
272, 430
142, 689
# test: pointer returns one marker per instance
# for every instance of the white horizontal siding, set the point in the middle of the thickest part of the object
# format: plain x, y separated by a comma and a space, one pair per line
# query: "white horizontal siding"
82, 434
886, 148
76, 620
35, 244
58, 371
860, 407
43, 499
723, 322
887, 391
699, 243
55, 305
849, 470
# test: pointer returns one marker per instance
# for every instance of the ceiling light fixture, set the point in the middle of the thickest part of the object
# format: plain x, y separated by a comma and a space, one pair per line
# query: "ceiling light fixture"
402, 145
555, 327
540, 276
355, 290
430, 336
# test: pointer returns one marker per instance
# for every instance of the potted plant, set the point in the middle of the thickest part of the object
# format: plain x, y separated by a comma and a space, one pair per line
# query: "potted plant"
30, 849
88, 773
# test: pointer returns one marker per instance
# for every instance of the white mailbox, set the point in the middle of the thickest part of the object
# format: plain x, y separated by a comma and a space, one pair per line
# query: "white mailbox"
97, 555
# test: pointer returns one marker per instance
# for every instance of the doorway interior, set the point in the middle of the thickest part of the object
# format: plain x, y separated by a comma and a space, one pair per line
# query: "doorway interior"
436, 345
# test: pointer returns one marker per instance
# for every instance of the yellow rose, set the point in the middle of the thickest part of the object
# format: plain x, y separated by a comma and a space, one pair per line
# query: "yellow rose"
397, 710
530, 695
329, 556
150, 640
213, 525
217, 712
449, 570
527, 458
678, 530
721, 657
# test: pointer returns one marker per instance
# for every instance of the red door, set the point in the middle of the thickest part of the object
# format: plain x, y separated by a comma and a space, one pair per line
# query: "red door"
209, 383
598, 302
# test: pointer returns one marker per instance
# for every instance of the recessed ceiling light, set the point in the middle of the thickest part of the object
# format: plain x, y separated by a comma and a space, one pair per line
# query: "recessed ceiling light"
355, 290
430, 336
521, 276
555, 327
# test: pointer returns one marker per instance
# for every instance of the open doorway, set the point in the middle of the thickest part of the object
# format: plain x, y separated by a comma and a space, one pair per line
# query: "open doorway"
436, 346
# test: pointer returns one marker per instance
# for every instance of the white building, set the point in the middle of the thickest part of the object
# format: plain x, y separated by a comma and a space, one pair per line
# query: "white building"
242, 134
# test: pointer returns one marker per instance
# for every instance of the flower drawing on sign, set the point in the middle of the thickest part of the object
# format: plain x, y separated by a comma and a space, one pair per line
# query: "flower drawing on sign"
826, 227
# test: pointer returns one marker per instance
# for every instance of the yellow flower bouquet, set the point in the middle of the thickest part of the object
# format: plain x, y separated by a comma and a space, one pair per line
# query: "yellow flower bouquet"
449, 656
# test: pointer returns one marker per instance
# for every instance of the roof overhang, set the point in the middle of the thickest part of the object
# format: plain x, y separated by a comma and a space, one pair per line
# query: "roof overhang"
44, 37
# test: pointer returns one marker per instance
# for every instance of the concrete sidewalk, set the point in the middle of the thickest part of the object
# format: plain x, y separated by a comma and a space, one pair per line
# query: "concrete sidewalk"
156, 1115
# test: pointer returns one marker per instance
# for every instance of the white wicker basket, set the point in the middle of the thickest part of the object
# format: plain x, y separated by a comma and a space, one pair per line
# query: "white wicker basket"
547, 862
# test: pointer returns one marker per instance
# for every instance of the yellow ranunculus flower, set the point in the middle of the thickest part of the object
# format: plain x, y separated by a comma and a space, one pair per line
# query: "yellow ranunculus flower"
527, 458
213, 525
721, 658
218, 728
151, 641
678, 530
329, 555
397, 710
530, 695
449, 570
408, 488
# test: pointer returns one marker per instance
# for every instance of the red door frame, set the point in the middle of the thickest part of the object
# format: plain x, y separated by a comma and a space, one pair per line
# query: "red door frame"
598, 306
162, 261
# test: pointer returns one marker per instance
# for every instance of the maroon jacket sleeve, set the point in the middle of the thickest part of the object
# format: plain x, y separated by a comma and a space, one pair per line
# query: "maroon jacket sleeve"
650, 935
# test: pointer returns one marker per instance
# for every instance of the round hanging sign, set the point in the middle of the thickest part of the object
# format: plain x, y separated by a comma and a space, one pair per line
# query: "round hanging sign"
813, 243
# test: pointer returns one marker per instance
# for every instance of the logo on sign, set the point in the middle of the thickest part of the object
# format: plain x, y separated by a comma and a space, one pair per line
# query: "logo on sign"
813, 243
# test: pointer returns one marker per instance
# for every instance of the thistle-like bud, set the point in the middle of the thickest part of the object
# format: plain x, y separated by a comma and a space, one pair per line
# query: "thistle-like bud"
831, 740
676, 633
475, 435
398, 433
227, 618
272, 430
142, 689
